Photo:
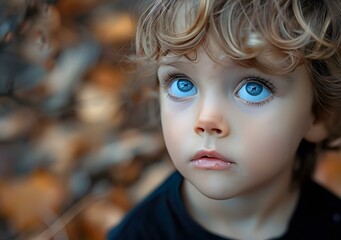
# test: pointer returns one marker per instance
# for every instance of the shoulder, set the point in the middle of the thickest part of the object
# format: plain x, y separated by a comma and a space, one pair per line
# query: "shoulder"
148, 217
316, 196
318, 213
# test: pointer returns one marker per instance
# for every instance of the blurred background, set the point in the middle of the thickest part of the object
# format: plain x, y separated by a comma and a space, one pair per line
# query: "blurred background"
80, 140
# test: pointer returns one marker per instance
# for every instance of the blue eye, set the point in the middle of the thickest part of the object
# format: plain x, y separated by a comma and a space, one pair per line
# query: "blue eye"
182, 88
253, 92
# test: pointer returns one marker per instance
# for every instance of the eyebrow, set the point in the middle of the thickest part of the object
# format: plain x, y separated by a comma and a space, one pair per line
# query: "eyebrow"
177, 61
174, 60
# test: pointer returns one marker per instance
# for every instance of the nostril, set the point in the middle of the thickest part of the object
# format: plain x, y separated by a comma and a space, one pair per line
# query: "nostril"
213, 130
218, 131
200, 130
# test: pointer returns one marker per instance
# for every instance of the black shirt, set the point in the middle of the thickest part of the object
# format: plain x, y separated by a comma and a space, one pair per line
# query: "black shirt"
162, 215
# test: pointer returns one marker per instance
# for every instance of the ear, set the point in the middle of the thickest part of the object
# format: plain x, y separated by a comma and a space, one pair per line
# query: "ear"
317, 132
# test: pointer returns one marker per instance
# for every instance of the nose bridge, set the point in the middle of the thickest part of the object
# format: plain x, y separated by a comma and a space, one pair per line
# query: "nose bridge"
209, 109
210, 117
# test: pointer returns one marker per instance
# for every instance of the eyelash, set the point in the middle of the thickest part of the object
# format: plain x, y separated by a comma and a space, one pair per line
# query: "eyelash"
170, 77
265, 82
168, 80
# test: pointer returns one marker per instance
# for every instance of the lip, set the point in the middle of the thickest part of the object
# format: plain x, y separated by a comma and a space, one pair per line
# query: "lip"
211, 160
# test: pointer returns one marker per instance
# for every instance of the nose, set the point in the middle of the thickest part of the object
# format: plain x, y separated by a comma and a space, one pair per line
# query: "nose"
211, 121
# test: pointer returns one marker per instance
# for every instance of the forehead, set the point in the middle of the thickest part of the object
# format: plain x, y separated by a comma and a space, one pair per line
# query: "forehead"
267, 58
268, 55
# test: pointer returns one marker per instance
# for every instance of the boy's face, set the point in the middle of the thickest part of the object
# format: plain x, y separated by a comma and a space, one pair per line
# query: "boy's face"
232, 130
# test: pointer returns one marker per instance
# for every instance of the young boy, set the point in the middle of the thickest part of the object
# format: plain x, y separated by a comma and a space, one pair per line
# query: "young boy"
250, 92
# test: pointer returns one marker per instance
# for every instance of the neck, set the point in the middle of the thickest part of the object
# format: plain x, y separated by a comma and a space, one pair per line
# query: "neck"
262, 213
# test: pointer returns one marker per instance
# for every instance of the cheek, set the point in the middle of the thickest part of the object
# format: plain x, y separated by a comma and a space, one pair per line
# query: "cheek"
175, 126
272, 139
170, 133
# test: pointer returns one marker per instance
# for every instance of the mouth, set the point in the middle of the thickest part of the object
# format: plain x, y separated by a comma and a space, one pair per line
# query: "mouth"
211, 160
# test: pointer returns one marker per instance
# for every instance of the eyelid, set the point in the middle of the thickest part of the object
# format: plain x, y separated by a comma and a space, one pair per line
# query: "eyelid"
265, 82
171, 77
168, 79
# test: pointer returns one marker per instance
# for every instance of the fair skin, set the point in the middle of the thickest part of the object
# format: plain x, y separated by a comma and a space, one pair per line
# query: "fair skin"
233, 132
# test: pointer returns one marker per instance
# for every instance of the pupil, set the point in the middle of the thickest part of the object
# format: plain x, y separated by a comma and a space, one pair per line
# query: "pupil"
254, 89
185, 85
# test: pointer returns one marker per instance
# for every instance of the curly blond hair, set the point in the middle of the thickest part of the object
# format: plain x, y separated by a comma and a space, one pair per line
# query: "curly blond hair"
304, 32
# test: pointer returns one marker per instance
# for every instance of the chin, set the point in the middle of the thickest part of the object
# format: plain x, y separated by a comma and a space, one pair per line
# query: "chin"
217, 196
215, 192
